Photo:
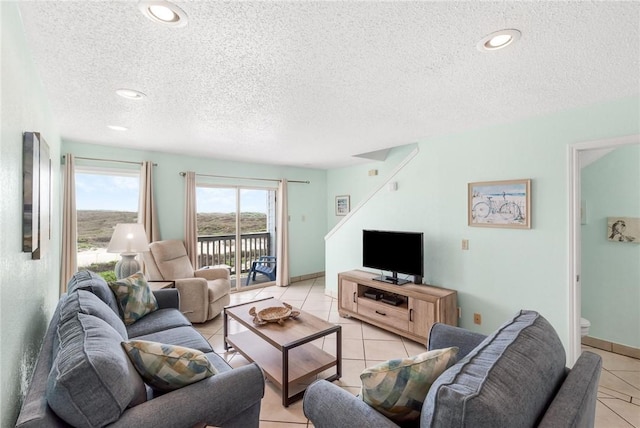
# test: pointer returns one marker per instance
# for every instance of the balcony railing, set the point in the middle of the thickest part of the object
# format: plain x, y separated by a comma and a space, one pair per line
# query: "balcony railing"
221, 249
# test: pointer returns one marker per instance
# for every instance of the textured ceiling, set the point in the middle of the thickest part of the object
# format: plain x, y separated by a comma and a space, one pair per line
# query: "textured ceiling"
315, 83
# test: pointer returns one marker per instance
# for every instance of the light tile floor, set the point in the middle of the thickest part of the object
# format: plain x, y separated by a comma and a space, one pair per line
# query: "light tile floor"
364, 345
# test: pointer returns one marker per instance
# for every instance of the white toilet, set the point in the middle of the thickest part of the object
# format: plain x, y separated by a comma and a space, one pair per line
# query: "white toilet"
584, 327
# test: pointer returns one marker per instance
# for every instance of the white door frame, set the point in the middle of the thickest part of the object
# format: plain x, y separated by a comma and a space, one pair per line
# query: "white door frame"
574, 232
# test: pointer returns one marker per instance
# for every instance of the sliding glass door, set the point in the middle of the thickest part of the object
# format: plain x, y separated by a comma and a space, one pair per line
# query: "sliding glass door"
236, 229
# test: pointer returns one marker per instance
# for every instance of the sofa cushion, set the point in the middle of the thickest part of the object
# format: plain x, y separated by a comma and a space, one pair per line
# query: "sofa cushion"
134, 297
157, 321
91, 381
168, 367
397, 388
508, 380
90, 281
187, 337
85, 302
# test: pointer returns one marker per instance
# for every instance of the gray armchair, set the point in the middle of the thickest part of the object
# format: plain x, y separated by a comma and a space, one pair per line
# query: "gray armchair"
203, 292
514, 377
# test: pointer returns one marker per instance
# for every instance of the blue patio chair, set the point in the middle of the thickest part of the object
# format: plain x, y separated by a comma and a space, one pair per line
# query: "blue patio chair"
265, 265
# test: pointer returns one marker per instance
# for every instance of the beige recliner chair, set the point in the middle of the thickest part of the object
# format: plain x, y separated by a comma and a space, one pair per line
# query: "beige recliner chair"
203, 292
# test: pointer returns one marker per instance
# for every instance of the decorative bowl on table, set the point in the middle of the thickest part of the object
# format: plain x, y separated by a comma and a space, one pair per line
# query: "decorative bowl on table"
273, 314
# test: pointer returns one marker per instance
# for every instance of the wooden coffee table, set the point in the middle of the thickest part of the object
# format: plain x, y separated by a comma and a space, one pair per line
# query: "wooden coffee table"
284, 352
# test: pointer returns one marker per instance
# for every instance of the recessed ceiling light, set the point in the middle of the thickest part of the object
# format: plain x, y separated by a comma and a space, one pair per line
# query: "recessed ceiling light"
130, 94
163, 12
498, 40
117, 128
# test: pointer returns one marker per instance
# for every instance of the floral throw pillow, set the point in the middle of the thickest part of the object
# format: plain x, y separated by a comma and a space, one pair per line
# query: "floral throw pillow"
397, 388
168, 367
134, 297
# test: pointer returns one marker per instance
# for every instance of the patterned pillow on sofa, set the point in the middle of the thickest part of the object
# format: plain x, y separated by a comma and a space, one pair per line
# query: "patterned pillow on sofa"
134, 297
168, 367
397, 388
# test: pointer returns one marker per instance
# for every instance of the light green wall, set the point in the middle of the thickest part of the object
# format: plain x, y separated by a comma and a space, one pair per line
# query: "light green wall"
505, 269
356, 182
307, 202
610, 273
29, 288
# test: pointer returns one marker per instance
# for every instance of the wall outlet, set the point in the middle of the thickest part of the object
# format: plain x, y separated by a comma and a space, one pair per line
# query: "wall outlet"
477, 318
459, 312
465, 244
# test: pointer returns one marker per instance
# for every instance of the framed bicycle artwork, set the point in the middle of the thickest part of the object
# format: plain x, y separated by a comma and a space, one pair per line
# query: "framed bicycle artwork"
504, 203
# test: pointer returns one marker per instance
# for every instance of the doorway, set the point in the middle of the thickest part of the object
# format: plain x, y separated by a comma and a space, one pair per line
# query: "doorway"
236, 227
576, 151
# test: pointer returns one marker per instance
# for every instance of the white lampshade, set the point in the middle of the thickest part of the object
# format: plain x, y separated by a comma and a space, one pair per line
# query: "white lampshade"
128, 238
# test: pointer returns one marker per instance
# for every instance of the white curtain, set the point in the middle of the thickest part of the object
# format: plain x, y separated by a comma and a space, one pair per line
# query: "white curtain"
282, 240
69, 250
190, 219
147, 213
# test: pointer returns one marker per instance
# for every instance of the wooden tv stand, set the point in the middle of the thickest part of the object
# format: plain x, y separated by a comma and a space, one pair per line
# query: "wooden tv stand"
421, 305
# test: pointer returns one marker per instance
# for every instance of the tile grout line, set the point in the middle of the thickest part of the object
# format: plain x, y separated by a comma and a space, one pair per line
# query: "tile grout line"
623, 381
613, 397
617, 414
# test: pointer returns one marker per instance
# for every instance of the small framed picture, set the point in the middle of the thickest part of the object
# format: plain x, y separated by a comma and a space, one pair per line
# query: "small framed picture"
343, 205
500, 204
623, 229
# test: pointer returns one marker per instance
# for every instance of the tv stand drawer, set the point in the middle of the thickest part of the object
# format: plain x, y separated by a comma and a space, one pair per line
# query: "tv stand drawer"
392, 316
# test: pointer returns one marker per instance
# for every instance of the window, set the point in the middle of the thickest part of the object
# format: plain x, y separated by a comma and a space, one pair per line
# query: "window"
104, 198
227, 215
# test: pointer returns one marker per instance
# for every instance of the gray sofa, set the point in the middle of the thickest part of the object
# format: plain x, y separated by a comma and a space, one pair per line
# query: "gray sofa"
106, 390
515, 377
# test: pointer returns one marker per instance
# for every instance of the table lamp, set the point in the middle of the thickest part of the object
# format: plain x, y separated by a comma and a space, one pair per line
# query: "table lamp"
128, 239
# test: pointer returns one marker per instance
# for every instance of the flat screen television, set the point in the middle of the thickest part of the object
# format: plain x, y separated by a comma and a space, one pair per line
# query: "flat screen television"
394, 252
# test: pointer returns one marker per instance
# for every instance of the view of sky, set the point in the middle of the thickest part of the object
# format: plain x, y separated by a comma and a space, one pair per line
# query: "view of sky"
107, 192
120, 193
218, 200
